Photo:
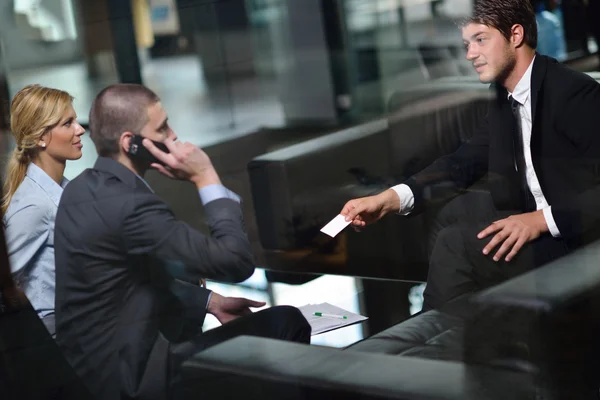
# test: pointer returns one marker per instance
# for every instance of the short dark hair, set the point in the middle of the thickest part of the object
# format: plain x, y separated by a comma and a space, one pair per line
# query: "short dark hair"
116, 109
503, 14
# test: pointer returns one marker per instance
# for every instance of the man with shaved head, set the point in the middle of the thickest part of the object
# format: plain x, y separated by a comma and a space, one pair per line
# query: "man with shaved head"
129, 303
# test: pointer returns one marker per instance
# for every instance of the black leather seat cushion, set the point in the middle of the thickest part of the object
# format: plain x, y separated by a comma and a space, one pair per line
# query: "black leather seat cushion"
436, 334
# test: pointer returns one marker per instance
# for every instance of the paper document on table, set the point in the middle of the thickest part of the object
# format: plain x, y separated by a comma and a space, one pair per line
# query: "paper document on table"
333, 317
335, 226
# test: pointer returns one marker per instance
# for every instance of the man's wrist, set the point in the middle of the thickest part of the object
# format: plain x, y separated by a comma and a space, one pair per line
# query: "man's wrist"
543, 225
214, 303
206, 177
391, 201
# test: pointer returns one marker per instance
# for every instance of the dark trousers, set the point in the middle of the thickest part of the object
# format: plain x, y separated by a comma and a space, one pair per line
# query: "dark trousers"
457, 264
281, 322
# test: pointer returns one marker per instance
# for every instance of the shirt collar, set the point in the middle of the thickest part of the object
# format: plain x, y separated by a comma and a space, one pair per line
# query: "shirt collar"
117, 169
145, 183
47, 184
523, 88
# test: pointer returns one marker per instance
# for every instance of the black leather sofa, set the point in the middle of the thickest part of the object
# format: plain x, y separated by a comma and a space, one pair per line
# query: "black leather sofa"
533, 337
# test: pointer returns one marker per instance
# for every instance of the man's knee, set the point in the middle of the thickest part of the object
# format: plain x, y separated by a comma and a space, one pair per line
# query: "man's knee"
450, 269
292, 321
450, 237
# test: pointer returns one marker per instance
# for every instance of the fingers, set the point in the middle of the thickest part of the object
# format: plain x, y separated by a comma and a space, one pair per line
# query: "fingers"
496, 240
353, 210
159, 154
516, 248
494, 227
171, 145
359, 222
506, 246
350, 211
255, 304
163, 170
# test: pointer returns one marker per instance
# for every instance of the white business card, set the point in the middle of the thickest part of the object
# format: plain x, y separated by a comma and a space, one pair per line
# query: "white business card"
335, 226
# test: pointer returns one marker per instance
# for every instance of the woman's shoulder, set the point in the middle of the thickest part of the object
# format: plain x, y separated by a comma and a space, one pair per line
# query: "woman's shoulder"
30, 202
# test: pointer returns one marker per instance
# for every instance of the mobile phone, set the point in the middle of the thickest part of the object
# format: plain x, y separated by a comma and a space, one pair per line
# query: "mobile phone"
139, 151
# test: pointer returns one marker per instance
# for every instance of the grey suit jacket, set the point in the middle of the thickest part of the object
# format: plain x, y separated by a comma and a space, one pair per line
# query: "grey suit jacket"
127, 276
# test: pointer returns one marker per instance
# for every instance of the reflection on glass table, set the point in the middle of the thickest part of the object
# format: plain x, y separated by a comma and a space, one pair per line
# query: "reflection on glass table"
337, 290
341, 291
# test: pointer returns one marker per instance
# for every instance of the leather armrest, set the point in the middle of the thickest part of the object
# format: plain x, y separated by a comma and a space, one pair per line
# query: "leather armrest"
558, 284
548, 319
250, 367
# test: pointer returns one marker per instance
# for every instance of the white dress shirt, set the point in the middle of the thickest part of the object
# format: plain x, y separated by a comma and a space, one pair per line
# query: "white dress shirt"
522, 94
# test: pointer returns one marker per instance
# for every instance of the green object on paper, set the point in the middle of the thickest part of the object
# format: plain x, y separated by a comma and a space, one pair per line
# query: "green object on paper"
320, 314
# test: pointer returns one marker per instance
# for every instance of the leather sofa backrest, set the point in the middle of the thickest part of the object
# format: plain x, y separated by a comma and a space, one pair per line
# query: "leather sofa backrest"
309, 170
307, 183
423, 132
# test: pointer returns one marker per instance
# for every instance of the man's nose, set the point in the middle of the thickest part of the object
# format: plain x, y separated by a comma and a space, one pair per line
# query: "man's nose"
471, 54
172, 135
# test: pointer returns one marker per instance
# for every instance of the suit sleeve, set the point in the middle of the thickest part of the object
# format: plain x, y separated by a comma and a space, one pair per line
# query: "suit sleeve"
581, 124
187, 310
150, 228
452, 173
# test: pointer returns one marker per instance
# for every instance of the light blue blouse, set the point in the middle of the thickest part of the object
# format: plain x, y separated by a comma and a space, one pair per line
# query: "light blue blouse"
29, 225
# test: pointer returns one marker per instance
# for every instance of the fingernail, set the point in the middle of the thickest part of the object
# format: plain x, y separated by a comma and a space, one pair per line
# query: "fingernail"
495, 258
485, 251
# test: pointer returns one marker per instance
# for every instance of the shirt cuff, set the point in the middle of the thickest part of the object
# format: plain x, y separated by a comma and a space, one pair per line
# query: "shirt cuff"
550, 222
407, 198
208, 301
215, 192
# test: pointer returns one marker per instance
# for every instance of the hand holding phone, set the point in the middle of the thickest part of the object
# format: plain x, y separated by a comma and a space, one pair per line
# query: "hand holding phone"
183, 161
140, 152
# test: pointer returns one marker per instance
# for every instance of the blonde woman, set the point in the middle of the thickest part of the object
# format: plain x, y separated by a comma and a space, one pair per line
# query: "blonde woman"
47, 134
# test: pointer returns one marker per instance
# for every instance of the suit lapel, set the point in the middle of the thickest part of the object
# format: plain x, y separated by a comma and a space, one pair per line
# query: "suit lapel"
537, 78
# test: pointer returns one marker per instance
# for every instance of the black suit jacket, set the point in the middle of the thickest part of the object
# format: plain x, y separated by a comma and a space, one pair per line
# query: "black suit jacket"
565, 149
127, 275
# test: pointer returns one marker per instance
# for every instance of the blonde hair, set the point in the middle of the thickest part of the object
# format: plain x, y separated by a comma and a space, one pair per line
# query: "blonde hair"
34, 111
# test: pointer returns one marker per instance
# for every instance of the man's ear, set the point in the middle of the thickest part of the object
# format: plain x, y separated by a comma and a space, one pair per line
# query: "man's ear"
125, 141
518, 35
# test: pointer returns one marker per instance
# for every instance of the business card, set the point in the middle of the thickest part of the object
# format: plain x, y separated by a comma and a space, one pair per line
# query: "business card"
335, 226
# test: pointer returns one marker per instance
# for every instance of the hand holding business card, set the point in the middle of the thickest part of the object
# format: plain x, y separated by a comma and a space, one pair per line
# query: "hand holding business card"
335, 226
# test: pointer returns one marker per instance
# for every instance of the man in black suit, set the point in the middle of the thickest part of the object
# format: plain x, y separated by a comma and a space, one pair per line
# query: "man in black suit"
540, 149
129, 302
